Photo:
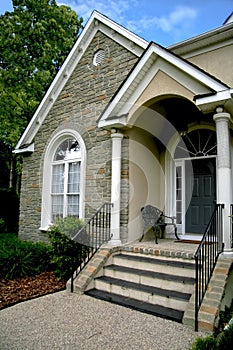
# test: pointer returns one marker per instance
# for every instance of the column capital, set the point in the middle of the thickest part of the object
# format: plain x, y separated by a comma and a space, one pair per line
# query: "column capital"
222, 116
117, 135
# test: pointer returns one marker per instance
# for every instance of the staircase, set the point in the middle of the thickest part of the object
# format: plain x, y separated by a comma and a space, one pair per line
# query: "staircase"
161, 286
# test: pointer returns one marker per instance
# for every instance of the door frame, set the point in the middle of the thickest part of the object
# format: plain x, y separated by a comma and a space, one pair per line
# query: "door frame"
185, 197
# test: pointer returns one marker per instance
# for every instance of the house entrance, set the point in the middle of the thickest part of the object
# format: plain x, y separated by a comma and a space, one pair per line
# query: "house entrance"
203, 196
195, 182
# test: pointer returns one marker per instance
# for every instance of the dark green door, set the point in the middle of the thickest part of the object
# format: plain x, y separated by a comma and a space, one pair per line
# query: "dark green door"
203, 196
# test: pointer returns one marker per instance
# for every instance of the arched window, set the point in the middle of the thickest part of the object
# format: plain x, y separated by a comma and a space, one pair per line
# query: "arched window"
63, 178
65, 189
197, 143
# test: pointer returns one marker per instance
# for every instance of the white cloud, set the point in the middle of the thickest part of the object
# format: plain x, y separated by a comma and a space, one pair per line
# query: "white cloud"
128, 14
112, 9
179, 18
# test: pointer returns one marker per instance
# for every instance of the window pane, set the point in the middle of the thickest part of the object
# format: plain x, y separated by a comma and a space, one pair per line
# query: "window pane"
57, 207
74, 177
58, 178
68, 149
178, 194
73, 205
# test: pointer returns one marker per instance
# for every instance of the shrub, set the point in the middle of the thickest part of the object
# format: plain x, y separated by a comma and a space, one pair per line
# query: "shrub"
225, 339
19, 258
69, 225
207, 343
16, 263
2, 225
9, 199
65, 253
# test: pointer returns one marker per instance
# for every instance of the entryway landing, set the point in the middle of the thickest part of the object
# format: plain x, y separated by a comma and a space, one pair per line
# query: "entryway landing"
184, 248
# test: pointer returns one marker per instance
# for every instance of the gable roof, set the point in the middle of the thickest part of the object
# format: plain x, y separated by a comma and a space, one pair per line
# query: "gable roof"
97, 22
157, 58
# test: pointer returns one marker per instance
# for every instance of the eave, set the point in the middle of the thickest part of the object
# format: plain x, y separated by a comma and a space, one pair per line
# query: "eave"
97, 22
155, 58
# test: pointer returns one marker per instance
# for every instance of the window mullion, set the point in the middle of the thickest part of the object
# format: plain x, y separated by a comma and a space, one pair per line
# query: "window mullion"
65, 203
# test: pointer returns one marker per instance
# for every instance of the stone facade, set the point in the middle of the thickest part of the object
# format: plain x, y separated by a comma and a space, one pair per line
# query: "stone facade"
78, 107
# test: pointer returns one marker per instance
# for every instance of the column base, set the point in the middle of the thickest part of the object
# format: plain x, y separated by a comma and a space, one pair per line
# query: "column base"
115, 242
228, 253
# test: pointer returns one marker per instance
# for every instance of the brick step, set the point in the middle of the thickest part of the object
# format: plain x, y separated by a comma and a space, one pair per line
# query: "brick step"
156, 310
142, 292
175, 266
150, 278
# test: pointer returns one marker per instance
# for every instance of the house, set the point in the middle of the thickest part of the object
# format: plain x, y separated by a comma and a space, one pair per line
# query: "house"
132, 123
143, 123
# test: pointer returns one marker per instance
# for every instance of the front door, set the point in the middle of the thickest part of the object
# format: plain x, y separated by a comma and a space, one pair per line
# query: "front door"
203, 196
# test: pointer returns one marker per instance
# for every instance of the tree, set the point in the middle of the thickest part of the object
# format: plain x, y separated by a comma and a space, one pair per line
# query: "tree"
35, 39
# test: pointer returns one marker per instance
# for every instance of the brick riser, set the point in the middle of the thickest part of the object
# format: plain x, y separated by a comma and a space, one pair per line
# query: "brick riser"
136, 281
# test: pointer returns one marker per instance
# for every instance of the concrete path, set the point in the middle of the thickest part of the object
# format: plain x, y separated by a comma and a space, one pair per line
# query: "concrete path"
66, 321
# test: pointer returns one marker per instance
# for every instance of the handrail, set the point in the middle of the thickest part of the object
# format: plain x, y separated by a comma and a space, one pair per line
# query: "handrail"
206, 257
91, 236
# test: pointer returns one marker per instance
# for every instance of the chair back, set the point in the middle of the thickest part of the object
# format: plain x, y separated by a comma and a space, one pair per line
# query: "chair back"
150, 215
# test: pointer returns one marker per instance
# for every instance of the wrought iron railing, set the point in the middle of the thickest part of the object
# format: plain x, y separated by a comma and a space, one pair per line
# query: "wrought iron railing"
206, 257
91, 236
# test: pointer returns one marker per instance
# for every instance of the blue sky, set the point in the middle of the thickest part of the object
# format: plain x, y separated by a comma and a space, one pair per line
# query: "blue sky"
163, 21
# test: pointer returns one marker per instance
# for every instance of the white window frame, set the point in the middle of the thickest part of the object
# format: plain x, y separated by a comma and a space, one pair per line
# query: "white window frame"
57, 139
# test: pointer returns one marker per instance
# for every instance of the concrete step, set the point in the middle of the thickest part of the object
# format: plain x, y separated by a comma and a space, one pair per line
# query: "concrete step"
150, 278
153, 295
157, 285
156, 310
178, 267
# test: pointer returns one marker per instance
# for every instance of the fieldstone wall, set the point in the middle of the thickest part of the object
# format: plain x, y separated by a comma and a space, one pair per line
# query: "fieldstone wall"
78, 107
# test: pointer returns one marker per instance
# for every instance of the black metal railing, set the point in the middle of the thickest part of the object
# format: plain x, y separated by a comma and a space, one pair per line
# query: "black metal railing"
206, 257
91, 236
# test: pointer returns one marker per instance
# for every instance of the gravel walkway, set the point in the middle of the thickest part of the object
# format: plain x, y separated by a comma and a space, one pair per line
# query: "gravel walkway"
69, 321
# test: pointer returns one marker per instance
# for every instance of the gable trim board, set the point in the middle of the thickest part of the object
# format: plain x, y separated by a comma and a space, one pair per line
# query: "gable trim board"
97, 22
157, 58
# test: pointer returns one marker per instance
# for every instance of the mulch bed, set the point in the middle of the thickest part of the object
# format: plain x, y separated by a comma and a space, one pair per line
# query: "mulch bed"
25, 288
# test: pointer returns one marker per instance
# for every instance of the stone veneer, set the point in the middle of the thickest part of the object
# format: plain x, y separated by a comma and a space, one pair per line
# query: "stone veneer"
78, 107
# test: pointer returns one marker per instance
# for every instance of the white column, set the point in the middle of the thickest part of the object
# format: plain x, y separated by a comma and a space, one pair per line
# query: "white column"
224, 181
116, 188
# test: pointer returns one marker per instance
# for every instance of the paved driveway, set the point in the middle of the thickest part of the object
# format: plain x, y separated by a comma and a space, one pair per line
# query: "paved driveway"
69, 321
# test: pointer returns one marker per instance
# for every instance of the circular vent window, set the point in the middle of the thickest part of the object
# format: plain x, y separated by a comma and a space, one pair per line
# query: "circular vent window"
98, 57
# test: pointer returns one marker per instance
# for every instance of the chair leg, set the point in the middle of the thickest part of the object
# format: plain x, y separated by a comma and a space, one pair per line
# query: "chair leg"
156, 237
177, 237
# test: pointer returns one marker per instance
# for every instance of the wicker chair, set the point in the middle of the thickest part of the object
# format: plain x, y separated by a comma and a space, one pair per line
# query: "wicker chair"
154, 217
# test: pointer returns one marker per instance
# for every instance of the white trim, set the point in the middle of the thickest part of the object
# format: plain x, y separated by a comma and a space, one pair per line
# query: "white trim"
96, 22
47, 175
116, 188
158, 58
29, 149
170, 173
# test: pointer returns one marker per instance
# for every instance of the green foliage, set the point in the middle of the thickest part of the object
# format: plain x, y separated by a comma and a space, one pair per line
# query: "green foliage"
19, 258
35, 40
69, 225
66, 254
223, 341
2, 225
225, 316
207, 343
9, 209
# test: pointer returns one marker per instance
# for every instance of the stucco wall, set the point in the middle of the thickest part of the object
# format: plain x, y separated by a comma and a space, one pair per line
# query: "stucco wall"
78, 106
147, 179
217, 62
